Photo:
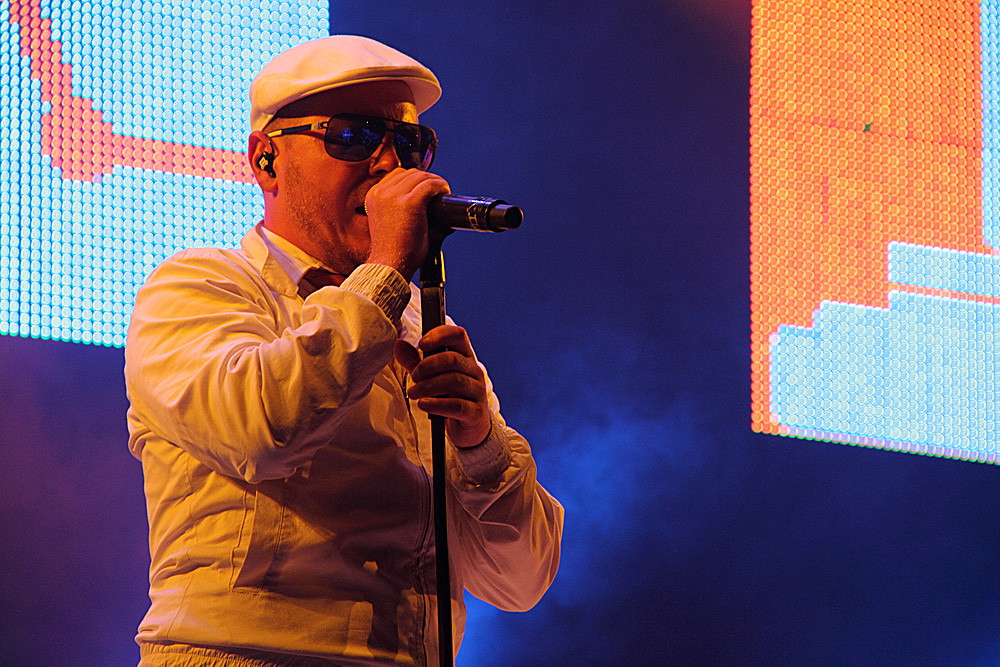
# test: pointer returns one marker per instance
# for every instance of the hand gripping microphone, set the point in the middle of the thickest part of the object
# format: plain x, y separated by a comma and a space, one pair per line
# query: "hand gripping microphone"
475, 213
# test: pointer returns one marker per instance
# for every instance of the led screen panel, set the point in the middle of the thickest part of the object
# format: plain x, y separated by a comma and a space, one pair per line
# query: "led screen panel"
124, 135
875, 223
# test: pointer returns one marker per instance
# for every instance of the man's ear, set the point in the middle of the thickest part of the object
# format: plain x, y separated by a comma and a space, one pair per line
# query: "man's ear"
260, 154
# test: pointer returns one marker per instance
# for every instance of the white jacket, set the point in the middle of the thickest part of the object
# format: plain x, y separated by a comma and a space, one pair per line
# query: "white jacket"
287, 476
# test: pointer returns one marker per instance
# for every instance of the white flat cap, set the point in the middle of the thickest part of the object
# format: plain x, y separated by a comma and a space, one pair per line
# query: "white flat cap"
334, 62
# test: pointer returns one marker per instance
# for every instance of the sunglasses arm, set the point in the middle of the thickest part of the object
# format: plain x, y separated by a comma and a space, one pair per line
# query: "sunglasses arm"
296, 130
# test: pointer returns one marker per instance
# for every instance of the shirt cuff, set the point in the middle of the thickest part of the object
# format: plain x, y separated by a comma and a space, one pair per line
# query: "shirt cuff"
383, 285
486, 461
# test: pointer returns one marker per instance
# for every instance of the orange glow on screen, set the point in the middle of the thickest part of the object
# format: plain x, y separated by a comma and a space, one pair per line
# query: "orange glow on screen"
865, 130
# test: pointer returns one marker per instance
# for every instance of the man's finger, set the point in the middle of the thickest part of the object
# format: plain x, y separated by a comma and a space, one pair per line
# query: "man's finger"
455, 385
447, 336
451, 408
446, 362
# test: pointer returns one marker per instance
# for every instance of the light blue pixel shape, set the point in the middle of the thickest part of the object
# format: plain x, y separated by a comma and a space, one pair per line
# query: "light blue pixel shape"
989, 52
944, 268
918, 376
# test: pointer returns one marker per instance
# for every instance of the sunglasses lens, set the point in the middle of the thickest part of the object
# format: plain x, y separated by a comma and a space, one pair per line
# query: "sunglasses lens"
355, 138
415, 145
408, 146
352, 138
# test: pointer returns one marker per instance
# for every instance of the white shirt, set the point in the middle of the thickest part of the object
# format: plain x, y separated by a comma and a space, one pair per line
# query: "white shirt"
287, 476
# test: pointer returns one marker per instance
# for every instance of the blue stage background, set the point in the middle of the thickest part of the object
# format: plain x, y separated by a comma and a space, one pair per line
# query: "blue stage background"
615, 324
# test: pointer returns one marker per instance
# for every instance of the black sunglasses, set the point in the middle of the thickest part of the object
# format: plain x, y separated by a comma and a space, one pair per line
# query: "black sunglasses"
352, 137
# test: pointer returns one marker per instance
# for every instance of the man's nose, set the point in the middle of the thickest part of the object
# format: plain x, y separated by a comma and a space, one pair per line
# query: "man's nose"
385, 158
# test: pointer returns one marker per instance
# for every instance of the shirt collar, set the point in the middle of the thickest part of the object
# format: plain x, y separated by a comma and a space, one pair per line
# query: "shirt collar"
290, 257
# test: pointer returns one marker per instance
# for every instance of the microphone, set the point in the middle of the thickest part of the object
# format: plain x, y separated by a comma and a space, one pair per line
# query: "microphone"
475, 213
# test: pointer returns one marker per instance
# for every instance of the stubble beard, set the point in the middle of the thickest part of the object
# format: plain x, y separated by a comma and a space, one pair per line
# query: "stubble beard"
328, 239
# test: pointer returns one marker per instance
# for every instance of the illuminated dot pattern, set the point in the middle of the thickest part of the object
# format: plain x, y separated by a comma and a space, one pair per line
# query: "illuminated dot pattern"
123, 130
921, 373
945, 269
875, 285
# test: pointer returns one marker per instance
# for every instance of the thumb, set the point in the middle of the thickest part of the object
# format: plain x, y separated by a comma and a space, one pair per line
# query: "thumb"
407, 355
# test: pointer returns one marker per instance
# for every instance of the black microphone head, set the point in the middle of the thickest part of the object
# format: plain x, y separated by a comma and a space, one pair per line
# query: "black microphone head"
505, 216
476, 213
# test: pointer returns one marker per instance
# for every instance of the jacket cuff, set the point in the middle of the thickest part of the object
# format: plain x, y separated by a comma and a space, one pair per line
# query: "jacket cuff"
383, 285
486, 461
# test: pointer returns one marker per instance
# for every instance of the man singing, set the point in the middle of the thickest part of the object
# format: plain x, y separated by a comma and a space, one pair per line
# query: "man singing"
280, 399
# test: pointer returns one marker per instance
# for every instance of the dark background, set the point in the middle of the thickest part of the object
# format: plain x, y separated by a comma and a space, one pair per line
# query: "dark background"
615, 324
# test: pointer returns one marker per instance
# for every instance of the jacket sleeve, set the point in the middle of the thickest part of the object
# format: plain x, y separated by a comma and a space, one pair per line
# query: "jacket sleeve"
509, 527
210, 366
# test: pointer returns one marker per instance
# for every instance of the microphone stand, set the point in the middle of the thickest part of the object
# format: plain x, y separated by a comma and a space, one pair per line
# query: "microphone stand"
433, 315
450, 213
